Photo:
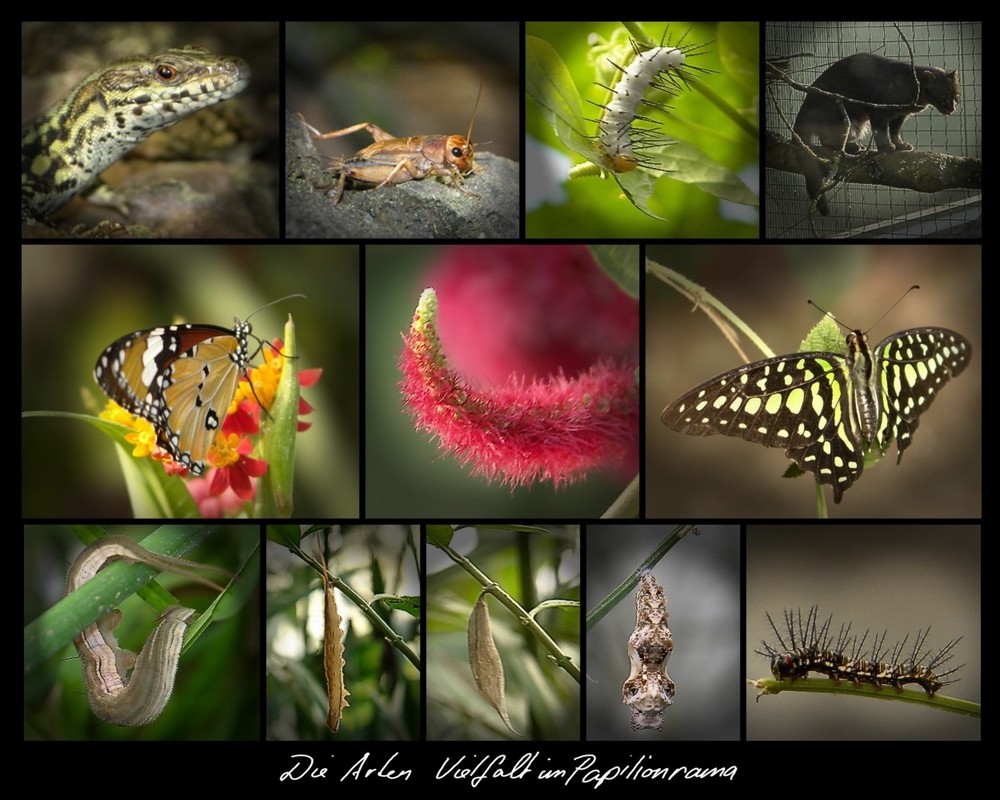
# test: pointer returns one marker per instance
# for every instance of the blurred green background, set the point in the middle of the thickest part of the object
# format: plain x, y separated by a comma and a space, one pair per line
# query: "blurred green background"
78, 299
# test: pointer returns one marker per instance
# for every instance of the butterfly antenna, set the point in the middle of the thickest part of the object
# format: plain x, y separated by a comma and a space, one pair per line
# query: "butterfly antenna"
279, 300
845, 327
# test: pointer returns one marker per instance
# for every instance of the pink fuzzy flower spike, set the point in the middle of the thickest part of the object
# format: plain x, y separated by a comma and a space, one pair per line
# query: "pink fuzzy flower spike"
552, 429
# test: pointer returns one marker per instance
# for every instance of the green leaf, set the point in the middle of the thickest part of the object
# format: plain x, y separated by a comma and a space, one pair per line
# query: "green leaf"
231, 601
286, 535
279, 429
685, 164
793, 471
407, 603
638, 186
439, 535
689, 165
550, 84
521, 528
621, 264
825, 337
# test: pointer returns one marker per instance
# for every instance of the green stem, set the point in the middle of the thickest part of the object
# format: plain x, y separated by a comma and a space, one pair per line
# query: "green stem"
769, 686
636, 31
377, 622
822, 512
626, 505
626, 586
723, 105
709, 304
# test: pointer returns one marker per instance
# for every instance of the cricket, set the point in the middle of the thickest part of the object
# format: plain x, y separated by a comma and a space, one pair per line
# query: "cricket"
392, 159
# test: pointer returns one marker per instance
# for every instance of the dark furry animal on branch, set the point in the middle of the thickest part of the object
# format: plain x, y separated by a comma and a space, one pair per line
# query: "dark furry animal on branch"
875, 93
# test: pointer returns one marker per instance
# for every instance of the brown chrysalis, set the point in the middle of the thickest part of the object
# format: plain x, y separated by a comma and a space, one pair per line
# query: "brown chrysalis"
333, 655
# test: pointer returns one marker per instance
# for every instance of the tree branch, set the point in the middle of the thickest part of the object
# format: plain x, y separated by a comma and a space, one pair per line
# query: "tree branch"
919, 170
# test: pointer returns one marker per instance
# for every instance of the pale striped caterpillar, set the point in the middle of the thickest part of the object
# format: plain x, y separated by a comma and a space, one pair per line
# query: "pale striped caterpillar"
623, 145
812, 648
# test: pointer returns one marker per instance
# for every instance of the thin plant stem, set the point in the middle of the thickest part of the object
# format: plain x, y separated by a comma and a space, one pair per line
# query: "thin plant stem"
768, 686
636, 32
713, 308
626, 505
489, 585
726, 108
623, 589
56, 627
379, 624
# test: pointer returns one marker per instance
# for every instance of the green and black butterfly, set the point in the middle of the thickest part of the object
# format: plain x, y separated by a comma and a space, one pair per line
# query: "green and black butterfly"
828, 409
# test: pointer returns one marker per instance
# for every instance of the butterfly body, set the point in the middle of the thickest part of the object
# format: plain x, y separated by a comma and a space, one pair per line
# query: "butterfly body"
181, 378
828, 409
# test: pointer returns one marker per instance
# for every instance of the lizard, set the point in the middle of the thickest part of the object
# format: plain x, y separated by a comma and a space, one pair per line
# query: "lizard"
113, 109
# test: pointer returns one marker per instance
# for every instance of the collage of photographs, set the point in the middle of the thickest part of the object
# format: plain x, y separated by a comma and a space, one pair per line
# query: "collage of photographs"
475, 512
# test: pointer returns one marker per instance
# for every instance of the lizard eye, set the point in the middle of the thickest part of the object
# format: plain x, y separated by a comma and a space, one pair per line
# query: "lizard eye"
165, 72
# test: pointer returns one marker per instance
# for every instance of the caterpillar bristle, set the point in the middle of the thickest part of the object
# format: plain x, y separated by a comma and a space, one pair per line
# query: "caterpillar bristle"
641, 118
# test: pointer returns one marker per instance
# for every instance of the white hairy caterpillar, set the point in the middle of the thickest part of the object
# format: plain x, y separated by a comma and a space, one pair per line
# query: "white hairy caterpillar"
623, 145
